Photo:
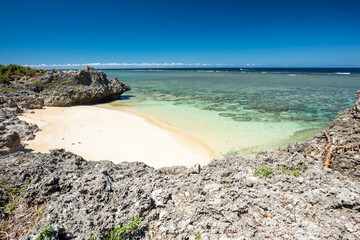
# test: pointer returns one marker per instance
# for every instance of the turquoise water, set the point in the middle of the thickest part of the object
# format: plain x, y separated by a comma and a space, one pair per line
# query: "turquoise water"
240, 111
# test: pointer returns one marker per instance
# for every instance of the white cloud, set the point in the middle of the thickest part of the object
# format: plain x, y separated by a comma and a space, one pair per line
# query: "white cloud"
127, 65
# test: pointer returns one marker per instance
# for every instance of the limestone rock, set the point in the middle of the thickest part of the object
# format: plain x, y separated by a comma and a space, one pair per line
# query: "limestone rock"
64, 88
9, 143
194, 170
81, 196
84, 86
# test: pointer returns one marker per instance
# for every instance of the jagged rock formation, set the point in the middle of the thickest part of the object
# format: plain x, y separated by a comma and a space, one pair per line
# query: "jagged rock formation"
12, 129
224, 200
81, 86
20, 100
281, 194
64, 88
9, 142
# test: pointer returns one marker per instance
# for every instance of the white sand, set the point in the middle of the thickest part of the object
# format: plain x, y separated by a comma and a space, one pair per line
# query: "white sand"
103, 133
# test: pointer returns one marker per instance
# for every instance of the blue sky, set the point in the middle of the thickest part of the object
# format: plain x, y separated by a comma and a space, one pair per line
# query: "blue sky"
234, 33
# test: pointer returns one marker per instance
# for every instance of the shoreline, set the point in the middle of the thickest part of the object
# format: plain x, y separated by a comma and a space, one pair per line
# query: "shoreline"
102, 132
188, 140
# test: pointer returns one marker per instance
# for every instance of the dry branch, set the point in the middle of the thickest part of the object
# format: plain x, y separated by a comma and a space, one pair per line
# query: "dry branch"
331, 155
326, 148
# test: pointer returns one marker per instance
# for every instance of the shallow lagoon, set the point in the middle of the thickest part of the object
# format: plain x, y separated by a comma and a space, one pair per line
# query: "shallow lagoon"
240, 111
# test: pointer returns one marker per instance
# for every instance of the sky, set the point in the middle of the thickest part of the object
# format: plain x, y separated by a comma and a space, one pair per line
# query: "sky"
172, 33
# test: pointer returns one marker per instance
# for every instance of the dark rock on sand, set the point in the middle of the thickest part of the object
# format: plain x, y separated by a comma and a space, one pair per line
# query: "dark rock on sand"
84, 86
9, 142
12, 129
64, 88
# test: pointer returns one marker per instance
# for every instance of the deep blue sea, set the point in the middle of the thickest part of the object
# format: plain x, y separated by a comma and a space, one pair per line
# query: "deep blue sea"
241, 110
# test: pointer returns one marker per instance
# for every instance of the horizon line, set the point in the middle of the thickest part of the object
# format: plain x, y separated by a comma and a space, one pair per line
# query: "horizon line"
179, 65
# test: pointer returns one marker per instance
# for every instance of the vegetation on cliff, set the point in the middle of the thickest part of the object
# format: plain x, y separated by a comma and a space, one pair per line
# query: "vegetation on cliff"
13, 72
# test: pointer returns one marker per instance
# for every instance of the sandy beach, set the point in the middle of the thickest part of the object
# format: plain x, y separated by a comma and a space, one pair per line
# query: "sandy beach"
106, 133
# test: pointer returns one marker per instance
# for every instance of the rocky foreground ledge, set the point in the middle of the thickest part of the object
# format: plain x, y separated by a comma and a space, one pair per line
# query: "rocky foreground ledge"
281, 194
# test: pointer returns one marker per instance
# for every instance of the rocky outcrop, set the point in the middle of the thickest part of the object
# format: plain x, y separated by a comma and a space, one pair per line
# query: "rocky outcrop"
84, 86
25, 130
9, 142
64, 88
19, 101
224, 200
12, 131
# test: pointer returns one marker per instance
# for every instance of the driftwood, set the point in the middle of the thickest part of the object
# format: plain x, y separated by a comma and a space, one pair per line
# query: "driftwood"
326, 148
330, 153
337, 151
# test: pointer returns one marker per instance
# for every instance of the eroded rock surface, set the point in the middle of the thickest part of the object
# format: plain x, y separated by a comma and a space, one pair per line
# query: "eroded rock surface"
224, 200
80, 87
13, 130
9, 142
64, 88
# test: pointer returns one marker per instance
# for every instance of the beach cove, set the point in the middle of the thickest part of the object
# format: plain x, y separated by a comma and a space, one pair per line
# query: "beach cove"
191, 120
103, 133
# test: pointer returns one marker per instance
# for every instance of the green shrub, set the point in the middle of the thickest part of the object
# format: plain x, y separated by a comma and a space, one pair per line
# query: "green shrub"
118, 232
8, 72
15, 193
45, 233
2, 79
92, 236
264, 171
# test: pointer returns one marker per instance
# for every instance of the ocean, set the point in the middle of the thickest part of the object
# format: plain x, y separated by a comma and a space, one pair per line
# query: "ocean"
241, 111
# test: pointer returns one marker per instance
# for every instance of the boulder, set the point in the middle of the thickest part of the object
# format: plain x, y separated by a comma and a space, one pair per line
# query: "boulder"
9, 142
84, 86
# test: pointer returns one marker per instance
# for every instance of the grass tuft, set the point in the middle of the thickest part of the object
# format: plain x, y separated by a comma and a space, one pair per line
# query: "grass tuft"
15, 194
264, 171
297, 171
3, 89
45, 233
118, 232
